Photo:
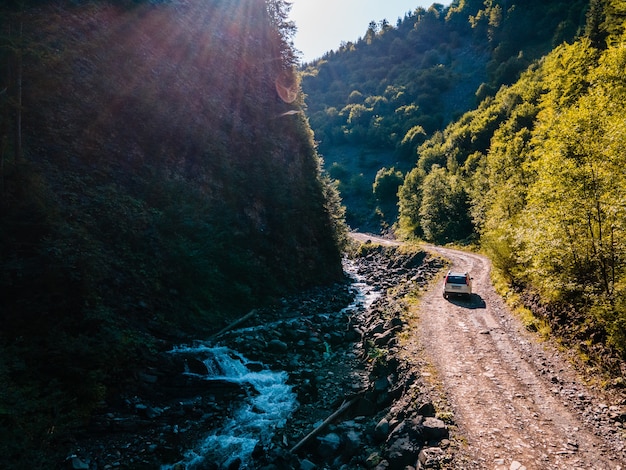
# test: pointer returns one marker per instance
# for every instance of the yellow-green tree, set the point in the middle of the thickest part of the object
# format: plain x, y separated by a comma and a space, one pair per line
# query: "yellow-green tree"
576, 212
410, 201
444, 215
498, 184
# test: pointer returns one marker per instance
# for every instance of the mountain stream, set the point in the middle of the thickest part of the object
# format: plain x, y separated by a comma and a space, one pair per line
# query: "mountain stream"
269, 403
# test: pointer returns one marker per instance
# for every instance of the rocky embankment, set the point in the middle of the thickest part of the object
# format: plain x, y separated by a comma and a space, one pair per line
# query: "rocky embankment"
359, 405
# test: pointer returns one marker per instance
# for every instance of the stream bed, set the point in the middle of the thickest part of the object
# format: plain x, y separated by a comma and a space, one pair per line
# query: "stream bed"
258, 396
270, 398
266, 409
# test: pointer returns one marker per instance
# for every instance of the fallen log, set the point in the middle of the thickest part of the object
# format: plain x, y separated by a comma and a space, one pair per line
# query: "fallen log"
233, 325
344, 406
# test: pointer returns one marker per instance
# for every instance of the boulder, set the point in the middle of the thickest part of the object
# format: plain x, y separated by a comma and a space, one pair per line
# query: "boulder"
383, 465
76, 463
329, 445
409, 428
365, 407
401, 453
427, 409
434, 429
307, 465
353, 443
373, 460
277, 346
149, 412
381, 385
381, 431
384, 338
431, 457
196, 366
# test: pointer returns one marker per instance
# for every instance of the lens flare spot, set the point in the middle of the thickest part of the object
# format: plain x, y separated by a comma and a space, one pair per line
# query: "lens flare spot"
287, 86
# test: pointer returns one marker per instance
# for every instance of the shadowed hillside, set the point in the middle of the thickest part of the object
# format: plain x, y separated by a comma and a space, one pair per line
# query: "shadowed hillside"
157, 179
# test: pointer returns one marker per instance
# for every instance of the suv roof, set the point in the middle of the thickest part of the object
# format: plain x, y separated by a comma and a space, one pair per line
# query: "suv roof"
457, 283
456, 277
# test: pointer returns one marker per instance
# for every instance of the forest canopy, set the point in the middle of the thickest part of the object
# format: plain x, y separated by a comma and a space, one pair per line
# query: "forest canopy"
399, 84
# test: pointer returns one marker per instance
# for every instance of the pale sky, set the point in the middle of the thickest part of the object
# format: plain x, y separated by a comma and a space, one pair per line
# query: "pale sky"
324, 24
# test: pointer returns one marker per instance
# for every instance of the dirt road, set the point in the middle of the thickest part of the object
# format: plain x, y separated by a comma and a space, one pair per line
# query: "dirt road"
518, 403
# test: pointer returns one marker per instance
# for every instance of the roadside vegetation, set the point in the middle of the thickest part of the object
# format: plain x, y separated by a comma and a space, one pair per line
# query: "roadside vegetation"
509, 132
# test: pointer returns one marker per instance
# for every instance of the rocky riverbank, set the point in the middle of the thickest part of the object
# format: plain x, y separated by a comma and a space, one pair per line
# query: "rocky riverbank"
343, 364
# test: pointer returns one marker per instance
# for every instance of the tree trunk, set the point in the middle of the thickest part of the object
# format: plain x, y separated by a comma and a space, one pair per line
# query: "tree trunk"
3, 144
344, 406
18, 90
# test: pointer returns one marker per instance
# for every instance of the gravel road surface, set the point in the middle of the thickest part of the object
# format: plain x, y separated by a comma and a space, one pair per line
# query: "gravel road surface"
518, 402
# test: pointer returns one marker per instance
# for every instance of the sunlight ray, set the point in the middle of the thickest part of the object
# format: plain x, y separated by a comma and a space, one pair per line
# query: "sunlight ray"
162, 60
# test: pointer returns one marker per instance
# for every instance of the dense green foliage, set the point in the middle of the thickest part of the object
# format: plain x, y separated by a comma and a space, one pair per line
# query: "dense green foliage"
386, 184
539, 171
157, 178
388, 91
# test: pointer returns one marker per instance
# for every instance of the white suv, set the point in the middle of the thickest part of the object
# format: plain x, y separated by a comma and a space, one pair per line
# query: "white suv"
457, 284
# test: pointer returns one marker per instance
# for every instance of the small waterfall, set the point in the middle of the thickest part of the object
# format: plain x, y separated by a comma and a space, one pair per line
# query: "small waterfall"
255, 421
366, 295
260, 416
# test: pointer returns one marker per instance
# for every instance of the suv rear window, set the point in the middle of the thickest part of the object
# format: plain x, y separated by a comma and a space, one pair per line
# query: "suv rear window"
456, 280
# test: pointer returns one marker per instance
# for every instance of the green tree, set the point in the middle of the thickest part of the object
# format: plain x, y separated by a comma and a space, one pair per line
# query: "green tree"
594, 28
372, 30
285, 29
414, 136
615, 20
336, 211
358, 115
576, 202
410, 201
444, 210
386, 184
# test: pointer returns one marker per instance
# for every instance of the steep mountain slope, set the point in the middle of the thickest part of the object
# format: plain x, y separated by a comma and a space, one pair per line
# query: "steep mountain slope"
387, 92
157, 179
